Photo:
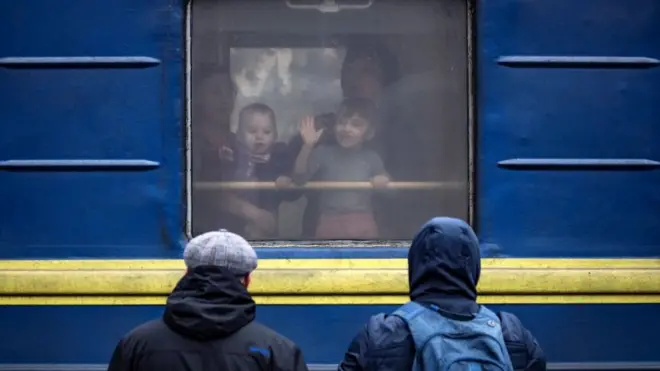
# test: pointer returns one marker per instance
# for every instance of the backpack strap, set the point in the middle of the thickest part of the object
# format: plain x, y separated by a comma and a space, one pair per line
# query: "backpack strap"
409, 310
416, 316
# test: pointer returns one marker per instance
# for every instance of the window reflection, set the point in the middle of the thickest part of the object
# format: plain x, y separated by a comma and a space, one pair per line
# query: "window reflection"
336, 129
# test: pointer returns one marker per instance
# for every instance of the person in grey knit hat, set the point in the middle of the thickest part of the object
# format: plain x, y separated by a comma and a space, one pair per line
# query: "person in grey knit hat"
209, 318
221, 249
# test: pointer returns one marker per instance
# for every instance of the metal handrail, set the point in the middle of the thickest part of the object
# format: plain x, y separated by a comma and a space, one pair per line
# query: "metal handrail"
326, 185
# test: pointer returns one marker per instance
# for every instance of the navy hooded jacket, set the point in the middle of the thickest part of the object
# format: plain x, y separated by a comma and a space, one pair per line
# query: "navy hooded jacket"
444, 264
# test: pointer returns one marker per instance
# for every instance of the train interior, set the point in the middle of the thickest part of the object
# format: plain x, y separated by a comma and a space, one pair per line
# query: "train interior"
303, 60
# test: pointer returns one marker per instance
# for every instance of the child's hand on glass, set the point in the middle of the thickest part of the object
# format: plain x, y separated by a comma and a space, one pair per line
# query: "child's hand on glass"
226, 153
283, 182
308, 132
380, 181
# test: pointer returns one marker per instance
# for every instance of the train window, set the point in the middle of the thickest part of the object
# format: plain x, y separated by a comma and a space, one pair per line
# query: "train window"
331, 120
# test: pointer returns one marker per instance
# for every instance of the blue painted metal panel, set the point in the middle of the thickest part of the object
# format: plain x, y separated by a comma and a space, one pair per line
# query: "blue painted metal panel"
92, 96
106, 88
571, 80
568, 333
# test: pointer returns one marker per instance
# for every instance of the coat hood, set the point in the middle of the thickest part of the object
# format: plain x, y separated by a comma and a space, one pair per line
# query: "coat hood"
444, 264
209, 303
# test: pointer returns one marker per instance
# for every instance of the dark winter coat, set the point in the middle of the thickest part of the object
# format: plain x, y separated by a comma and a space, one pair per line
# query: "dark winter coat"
208, 324
443, 270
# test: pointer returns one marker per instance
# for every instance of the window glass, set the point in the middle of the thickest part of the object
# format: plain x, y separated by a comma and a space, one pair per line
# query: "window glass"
344, 121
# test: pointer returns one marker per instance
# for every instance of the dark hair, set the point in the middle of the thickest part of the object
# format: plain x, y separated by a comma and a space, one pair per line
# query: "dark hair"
256, 108
383, 64
203, 72
361, 107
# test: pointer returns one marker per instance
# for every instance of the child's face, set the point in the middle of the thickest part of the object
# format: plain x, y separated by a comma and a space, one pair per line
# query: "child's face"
258, 133
352, 131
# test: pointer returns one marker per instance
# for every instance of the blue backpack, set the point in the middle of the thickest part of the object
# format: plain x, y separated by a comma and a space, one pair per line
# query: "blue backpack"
444, 344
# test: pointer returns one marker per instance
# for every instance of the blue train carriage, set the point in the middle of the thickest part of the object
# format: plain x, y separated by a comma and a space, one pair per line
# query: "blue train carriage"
534, 119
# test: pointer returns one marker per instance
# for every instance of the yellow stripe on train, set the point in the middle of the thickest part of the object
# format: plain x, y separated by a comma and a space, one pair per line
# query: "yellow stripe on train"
330, 281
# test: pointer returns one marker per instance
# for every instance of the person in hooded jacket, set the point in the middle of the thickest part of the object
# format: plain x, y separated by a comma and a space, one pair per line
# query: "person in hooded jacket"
444, 264
209, 320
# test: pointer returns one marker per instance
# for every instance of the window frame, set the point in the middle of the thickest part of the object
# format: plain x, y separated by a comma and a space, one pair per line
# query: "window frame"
285, 249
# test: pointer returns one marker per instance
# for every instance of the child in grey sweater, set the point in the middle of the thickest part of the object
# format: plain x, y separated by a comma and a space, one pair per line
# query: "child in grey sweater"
345, 214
